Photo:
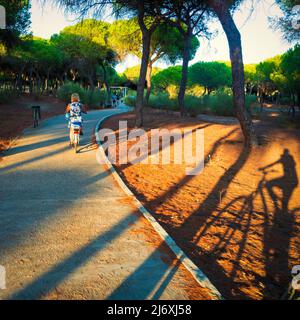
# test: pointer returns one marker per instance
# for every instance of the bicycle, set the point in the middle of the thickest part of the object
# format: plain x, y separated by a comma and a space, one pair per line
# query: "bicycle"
75, 130
75, 135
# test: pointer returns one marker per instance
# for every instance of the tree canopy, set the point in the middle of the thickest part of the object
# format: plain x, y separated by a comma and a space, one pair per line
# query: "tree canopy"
17, 21
210, 75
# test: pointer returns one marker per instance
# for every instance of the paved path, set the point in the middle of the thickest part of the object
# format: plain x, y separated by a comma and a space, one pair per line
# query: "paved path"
67, 231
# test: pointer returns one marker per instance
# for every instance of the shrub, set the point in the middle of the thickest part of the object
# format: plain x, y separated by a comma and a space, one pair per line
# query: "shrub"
195, 105
250, 100
162, 101
64, 92
6, 95
130, 100
172, 91
93, 99
220, 103
195, 90
285, 100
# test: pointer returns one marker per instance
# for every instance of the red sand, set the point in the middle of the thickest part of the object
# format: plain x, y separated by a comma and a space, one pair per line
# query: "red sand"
241, 228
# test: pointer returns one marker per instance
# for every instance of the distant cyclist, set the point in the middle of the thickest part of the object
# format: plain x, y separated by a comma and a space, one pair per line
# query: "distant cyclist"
74, 110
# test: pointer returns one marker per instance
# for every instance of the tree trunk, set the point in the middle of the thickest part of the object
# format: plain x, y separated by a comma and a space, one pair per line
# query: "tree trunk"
108, 93
19, 82
30, 80
184, 73
236, 57
142, 79
148, 80
91, 82
47, 81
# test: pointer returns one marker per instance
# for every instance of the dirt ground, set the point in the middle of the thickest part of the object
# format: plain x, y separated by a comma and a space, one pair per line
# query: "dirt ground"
17, 115
239, 224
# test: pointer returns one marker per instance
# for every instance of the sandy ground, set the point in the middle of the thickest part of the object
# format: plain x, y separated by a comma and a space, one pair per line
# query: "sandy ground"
241, 226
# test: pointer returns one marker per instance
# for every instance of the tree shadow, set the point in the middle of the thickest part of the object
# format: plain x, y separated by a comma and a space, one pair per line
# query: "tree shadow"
49, 280
155, 151
30, 147
153, 273
27, 218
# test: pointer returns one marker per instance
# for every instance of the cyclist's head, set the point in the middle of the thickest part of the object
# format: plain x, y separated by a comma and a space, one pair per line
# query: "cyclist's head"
75, 97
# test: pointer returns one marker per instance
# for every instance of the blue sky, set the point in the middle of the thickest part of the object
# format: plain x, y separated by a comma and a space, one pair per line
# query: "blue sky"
259, 41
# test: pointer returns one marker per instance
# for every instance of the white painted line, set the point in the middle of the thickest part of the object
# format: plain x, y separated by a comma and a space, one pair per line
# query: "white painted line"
198, 275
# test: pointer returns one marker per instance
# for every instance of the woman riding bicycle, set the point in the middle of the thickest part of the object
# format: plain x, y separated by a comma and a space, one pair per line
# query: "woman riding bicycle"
74, 110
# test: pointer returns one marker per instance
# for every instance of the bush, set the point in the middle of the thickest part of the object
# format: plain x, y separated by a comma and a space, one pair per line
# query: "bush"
250, 100
285, 100
130, 100
195, 90
219, 103
64, 92
6, 95
93, 99
195, 105
162, 101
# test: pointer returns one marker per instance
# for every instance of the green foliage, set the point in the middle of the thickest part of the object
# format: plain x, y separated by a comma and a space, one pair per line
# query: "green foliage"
133, 73
211, 75
125, 38
17, 21
286, 75
266, 68
93, 99
95, 30
166, 42
130, 100
251, 77
290, 67
162, 101
64, 93
195, 90
163, 79
87, 52
7, 95
220, 103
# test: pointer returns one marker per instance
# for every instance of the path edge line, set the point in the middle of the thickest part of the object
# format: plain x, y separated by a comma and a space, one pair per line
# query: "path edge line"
196, 272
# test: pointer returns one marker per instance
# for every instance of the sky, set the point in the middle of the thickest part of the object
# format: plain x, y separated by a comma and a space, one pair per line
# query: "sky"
258, 40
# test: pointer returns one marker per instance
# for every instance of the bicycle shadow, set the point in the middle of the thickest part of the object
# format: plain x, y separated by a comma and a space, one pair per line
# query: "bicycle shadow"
278, 228
279, 225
